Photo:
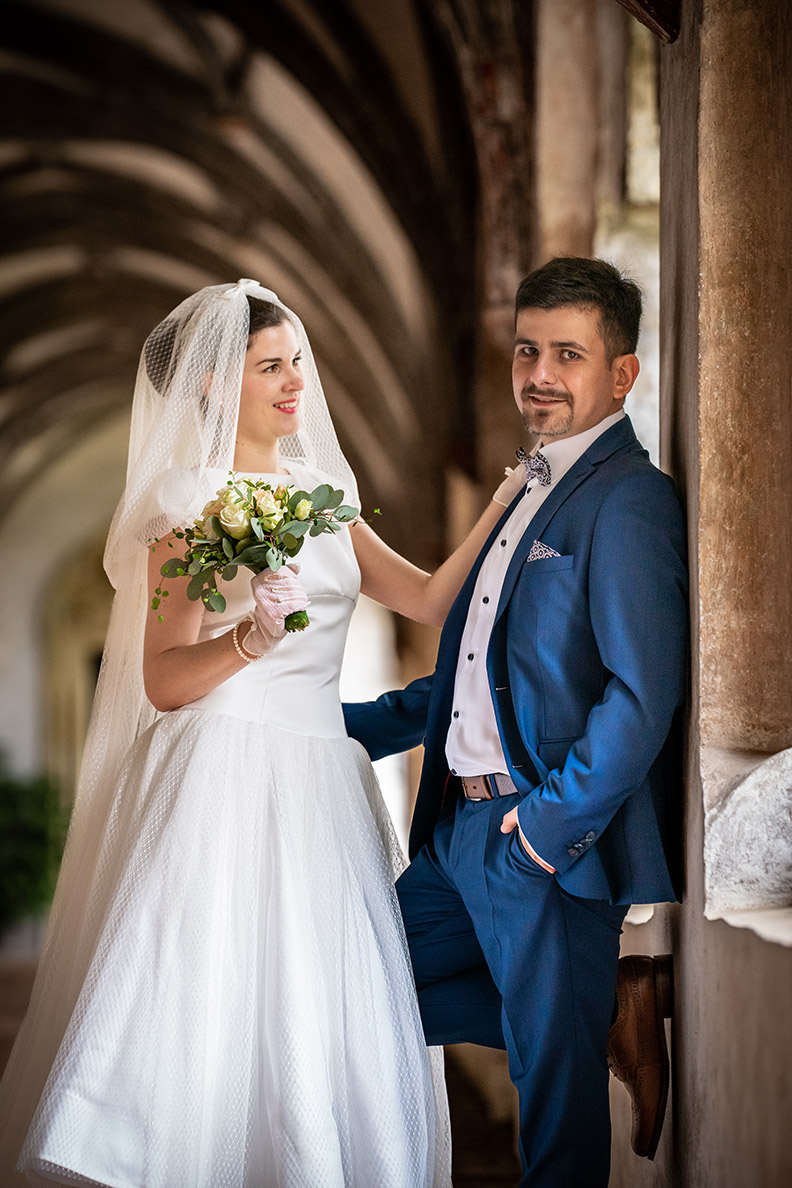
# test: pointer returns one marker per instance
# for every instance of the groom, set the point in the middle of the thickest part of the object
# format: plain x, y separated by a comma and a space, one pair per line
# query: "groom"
550, 784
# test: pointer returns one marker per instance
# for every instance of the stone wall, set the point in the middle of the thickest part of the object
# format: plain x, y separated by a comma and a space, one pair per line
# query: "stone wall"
726, 361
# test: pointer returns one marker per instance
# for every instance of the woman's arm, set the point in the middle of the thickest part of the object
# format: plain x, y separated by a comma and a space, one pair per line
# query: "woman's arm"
390, 579
176, 668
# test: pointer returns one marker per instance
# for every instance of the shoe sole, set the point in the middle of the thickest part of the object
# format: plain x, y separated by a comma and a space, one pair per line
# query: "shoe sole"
663, 973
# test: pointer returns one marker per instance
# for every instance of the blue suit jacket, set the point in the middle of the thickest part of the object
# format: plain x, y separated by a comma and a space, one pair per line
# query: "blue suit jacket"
587, 668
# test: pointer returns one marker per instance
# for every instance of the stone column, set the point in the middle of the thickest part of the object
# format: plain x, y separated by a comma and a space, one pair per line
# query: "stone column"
725, 411
535, 126
567, 102
745, 455
492, 42
745, 541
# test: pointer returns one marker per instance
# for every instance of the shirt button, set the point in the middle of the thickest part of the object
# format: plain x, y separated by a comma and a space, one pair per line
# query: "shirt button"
503, 542
456, 713
470, 655
454, 771
485, 598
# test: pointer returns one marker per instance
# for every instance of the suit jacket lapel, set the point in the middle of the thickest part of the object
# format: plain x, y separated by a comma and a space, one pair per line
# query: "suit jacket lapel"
537, 525
618, 437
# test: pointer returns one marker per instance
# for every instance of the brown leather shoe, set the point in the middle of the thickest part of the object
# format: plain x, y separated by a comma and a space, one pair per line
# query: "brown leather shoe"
637, 1051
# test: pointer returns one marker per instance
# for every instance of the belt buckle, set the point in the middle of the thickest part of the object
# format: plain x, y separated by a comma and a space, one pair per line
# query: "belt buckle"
479, 783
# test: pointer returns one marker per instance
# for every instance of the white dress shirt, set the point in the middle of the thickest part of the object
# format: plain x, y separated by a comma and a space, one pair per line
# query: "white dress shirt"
473, 745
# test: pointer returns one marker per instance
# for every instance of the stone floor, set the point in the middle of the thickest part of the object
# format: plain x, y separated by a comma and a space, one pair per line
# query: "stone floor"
484, 1154
484, 1148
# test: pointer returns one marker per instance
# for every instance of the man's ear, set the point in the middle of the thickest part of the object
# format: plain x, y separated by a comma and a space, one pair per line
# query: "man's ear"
625, 370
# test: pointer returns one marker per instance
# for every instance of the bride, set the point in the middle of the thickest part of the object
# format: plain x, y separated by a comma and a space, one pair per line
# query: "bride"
225, 999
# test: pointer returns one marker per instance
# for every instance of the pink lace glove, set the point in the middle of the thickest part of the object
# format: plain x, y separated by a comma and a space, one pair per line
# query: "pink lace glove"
277, 595
514, 482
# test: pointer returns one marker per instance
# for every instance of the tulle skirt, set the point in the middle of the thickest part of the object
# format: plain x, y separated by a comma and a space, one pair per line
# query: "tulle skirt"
246, 1015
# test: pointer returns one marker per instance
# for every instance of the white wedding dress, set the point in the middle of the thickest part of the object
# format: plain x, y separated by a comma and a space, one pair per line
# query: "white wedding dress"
248, 1018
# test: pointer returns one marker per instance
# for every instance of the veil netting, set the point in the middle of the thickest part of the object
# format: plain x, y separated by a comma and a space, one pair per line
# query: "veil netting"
184, 417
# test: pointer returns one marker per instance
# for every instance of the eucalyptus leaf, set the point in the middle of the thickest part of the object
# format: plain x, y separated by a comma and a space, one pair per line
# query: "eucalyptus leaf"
317, 528
195, 566
346, 512
171, 565
320, 497
216, 601
334, 500
257, 555
228, 548
296, 498
195, 587
274, 560
294, 528
216, 526
255, 524
289, 542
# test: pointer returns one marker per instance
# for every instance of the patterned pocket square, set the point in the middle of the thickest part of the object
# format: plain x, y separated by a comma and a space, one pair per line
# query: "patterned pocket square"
539, 551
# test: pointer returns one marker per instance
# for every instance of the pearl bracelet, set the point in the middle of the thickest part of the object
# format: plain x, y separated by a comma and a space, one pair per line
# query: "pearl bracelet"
249, 658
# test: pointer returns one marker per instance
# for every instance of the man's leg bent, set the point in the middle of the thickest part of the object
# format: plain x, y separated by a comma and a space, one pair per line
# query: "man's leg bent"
458, 999
554, 958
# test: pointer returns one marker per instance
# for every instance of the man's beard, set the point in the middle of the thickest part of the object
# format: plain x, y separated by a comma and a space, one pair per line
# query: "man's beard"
535, 420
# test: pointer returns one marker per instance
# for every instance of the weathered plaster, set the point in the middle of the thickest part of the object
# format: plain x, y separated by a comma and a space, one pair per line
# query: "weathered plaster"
747, 830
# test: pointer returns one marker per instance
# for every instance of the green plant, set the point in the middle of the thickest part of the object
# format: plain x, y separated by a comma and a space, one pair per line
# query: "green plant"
251, 524
32, 832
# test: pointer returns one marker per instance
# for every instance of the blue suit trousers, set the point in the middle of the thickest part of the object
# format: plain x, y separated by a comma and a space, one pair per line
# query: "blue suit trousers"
504, 956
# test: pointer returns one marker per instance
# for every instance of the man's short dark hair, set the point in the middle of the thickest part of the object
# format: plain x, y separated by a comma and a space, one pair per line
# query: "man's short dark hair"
588, 284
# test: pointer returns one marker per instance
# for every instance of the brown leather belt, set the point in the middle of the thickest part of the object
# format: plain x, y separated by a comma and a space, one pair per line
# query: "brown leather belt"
487, 787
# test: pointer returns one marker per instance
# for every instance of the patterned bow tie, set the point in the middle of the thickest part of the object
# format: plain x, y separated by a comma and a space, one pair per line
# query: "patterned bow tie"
537, 467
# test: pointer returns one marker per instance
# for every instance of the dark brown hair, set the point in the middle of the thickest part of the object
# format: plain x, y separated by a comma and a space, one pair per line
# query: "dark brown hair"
592, 284
263, 315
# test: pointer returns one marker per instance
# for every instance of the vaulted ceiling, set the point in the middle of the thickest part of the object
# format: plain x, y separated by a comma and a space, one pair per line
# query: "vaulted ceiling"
149, 147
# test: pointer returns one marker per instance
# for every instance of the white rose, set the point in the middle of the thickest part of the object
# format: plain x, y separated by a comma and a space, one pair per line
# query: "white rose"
235, 520
204, 529
271, 514
213, 508
303, 509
